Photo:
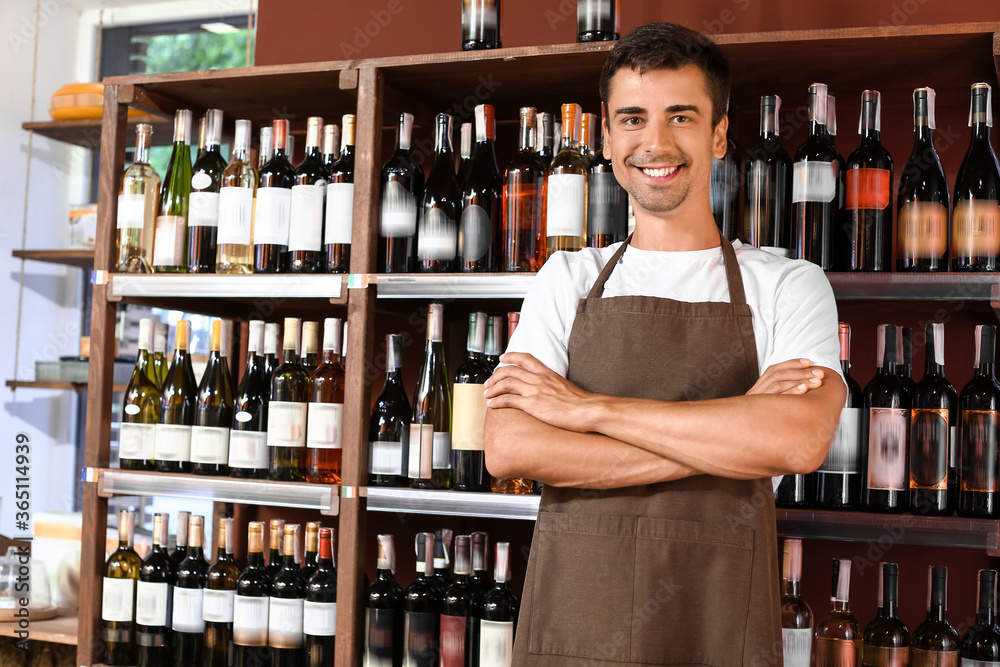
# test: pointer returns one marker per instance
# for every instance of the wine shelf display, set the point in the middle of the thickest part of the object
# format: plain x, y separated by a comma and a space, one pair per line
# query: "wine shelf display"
453, 503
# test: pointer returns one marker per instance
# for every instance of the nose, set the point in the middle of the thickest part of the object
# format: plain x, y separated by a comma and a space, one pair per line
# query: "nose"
660, 137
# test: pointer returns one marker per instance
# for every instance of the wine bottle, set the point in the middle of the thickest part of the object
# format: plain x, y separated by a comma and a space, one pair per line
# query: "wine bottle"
442, 560
274, 201
220, 599
402, 182
319, 615
383, 630
479, 229
795, 491
159, 366
305, 228
494, 332
285, 609
480, 581
206, 183
389, 428
975, 230
767, 187
201, 138
838, 635
981, 643
250, 606
309, 563
838, 480
248, 452
266, 148
420, 613
597, 20
932, 433
169, 241
922, 229
430, 421
905, 369
514, 485
331, 145
309, 357
480, 25
607, 203
469, 415
237, 201
724, 193
138, 203
796, 616
566, 190
886, 639
286, 412
188, 622
177, 413
152, 600
121, 572
214, 413
271, 360
276, 531
457, 605
814, 187
524, 202
440, 206
464, 154
496, 616
978, 405
180, 541
869, 192
141, 411
545, 139
935, 642
340, 204
324, 423
588, 125
886, 427
841, 240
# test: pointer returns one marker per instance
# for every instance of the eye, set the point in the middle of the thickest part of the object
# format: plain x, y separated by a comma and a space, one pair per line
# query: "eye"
631, 120
682, 119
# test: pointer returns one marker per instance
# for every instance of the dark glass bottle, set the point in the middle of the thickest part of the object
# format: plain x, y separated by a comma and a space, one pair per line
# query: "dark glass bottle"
276, 531
180, 401
838, 480
767, 185
141, 409
796, 616
118, 596
311, 558
494, 347
214, 413
496, 616
464, 153
430, 422
597, 20
338, 224
389, 428
982, 641
320, 609
545, 138
607, 201
286, 412
838, 634
250, 606
273, 208
480, 25
480, 581
524, 202
442, 560
402, 183
468, 462
905, 369
932, 433
457, 606
383, 629
978, 405
935, 642
285, 608
975, 228
220, 596
188, 624
795, 491
420, 611
724, 193
440, 206
272, 340
869, 193
886, 639
816, 177
203, 205
479, 232
180, 540
248, 454
305, 227
152, 596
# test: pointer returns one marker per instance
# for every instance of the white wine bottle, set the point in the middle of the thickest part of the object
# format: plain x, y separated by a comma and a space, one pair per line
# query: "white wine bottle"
121, 573
141, 412
214, 413
180, 396
237, 200
138, 202
430, 424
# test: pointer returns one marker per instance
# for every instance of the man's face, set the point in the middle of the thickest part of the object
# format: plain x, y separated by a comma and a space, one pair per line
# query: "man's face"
661, 139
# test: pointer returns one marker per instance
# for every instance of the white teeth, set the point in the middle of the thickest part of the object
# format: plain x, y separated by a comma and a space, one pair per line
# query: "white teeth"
661, 172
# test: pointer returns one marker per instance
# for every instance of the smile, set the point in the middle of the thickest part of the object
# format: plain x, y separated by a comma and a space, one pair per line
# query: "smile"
660, 172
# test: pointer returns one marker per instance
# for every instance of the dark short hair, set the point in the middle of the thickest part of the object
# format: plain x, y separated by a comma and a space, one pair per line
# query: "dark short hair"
670, 46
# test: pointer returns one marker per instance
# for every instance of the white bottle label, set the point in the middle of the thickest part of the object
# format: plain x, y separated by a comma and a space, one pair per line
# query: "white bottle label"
209, 444
564, 204
131, 211
324, 425
151, 602
284, 623
797, 646
438, 237
218, 606
496, 643
306, 222
339, 213
421, 451
235, 215
442, 450
888, 428
248, 449
398, 215
475, 233
203, 209
814, 181
319, 619
286, 424
200, 181
969, 662
273, 210
117, 598
137, 441
173, 443
385, 458
250, 620
188, 604
168, 241
845, 452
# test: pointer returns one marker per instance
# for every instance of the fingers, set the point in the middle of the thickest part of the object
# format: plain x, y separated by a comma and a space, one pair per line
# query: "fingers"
524, 360
781, 380
505, 374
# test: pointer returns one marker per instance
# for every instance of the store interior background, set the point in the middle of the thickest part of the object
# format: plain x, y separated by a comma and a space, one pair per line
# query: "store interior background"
292, 31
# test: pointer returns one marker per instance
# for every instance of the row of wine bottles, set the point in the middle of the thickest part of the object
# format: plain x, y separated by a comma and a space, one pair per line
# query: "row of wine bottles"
902, 444
838, 640
840, 214
596, 21
177, 610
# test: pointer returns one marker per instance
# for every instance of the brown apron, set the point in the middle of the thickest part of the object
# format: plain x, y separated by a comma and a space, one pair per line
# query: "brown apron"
675, 573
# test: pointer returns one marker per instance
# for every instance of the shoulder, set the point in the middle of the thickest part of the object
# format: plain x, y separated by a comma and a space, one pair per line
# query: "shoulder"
783, 275
572, 274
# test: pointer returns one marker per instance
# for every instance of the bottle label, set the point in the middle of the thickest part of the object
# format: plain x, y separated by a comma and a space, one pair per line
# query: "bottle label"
421, 463
151, 603
188, 603
203, 209
979, 450
975, 230
339, 213
887, 449
845, 452
814, 181
131, 211
868, 189
306, 222
218, 606
250, 620
117, 599
929, 447
969, 662
475, 233
286, 424
797, 646
453, 641
838, 651
468, 417
284, 623
209, 444
442, 450
200, 181
496, 643
248, 449
324, 425
564, 204
273, 211
385, 458
418, 629
380, 625
173, 443
235, 215
438, 236
319, 619
398, 216
923, 658
886, 656
137, 441
606, 205
922, 230
168, 241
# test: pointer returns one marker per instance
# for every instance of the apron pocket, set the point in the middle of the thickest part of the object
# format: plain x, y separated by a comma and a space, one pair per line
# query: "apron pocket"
692, 593
582, 594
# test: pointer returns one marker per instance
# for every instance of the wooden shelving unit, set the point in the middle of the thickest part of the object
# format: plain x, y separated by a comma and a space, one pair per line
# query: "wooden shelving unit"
86, 132
73, 386
81, 259
59, 630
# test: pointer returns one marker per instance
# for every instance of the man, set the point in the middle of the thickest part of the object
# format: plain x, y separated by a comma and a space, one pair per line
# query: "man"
633, 393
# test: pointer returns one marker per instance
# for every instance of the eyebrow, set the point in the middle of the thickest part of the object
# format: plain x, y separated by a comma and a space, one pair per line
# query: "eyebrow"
674, 108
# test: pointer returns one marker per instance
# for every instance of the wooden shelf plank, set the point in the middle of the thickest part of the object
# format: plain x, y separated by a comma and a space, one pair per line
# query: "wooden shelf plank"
86, 132
59, 630
83, 259
74, 386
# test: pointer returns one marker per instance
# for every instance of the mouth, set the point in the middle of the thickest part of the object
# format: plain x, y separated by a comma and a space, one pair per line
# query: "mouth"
660, 174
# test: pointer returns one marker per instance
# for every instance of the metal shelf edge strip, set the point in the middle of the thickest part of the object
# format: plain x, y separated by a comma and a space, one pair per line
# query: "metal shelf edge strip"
506, 286
453, 503
216, 286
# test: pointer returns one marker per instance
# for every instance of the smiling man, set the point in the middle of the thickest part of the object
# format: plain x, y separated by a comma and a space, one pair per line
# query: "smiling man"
632, 390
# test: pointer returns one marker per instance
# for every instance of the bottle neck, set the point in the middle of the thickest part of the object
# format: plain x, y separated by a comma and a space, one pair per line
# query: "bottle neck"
817, 129
142, 143
986, 369
385, 575
871, 135
288, 562
221, 553
840, 605
255, 559
526, 137
324, 564
195, 552
981, 134
791, 588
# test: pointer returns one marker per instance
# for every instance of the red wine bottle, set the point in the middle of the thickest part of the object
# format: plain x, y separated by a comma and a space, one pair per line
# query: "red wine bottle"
285, 608
339, 216
767, 185
441, 205
597, 20
935, 642
152, 600
203, 205
468, 420
869, 193
724, 192
402, 183
457, 606
816, 175
319, 619
886, 639
388, 431
305, 228
932, 433
981, 643
250, 606
442, 559
496, 616
420, 613
248, 452
975, 230
978, 405
545, 138
887, 429
273, 213
479, 233
838, 479
480, 567
188, 622
383, 629
481, 25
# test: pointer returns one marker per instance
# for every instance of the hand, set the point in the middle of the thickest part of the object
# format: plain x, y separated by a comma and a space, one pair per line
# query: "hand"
531, 387
795, 376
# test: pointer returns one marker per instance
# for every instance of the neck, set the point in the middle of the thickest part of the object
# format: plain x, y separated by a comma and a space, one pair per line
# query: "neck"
288, 562
676, 233
255, 559
840, 605
925, 135
981, 132
986, 369
330, 357
385, 575
790, 588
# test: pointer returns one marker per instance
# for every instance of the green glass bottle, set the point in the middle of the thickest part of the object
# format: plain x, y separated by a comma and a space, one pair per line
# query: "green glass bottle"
287, 409
170, 237
141, 411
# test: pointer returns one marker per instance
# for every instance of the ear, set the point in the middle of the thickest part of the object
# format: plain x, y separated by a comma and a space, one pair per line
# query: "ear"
719, 141
605, 143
